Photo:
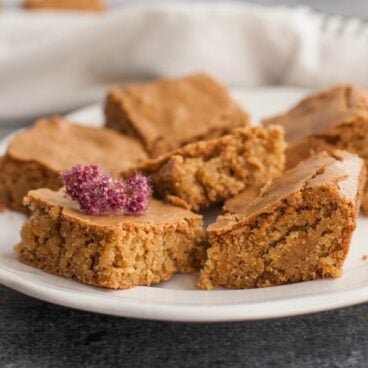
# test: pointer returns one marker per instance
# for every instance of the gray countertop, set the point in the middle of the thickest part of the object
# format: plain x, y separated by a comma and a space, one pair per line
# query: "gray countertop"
34, 334
38, 334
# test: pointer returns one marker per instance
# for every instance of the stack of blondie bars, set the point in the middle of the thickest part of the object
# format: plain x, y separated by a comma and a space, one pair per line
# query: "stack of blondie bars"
290, 187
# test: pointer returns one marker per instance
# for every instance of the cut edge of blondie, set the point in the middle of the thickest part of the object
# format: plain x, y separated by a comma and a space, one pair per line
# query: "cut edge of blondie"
281, 252
111, 257
208, 172
17, 178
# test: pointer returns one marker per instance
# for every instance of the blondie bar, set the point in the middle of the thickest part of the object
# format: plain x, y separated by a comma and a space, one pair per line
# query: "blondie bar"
299, 228
169, 113
36, 156
208, 172
112, 251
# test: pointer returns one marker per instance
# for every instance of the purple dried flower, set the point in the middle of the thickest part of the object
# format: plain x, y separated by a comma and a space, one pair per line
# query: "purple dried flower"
137, 191
98, 193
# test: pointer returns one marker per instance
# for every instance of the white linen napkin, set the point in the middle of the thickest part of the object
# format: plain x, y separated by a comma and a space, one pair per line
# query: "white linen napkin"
52, 62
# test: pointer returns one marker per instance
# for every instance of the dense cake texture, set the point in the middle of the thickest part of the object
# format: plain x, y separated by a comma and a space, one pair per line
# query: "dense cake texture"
114, 251
36, 156
169, 113
299, 228
80, 5
335, 118
208, 172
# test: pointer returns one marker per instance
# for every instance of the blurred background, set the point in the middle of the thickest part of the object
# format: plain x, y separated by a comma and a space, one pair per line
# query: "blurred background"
57, 61
342, 7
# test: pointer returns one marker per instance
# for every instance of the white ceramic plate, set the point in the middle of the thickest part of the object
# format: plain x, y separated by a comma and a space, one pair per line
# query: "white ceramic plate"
178, 299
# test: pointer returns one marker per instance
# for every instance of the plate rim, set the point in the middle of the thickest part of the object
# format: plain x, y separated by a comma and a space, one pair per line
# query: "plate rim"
184, 313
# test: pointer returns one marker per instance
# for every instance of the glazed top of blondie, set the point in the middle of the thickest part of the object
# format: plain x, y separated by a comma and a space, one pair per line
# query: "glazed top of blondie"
172, 110
322, 111
341, 171
59, 144
158, 212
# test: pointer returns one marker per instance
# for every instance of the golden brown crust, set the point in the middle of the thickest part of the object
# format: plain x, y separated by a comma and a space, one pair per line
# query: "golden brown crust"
236, 203
80, 5
110, 251
323, 111
58, 144
341, 168
208, 172
36, 156
169, 113
299, 228
158, 212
